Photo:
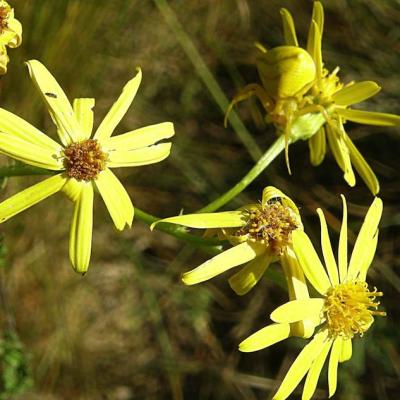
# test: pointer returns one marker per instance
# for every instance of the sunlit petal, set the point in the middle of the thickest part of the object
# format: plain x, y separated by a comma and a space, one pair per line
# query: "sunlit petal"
356, 93
347, 350
327, 250
342, 251
116, 198
139, 138
30, 196
135, 158
29, 153
119, 108
301, 366
333, 365
310, 262
289, 30
83, 109
297, 310
80, 239
265, 337
365, 239
244, 280
230, 258
57, 102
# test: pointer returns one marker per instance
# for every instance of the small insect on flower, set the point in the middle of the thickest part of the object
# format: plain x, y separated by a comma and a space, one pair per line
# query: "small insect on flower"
83, 161
10, 33
303, 100
346, 308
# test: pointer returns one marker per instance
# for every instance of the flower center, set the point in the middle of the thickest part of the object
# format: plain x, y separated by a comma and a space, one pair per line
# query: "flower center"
349, 309
84, 160
271, 225
4, 14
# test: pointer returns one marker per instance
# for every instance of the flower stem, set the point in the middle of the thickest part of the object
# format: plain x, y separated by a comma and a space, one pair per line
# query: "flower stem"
23, 170
276, 148
207, 77
210, 245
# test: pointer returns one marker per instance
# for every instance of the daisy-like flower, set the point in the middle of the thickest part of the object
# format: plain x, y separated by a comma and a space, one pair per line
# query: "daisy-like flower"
84, 161
259, 233
297, 86
10, 33
345, 309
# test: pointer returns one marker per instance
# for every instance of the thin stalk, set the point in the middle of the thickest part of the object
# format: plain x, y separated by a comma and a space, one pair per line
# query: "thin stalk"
211, 245
207, 77
276, 148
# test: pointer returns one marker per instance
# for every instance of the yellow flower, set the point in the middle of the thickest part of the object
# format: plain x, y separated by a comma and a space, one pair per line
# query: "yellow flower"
345, 309
84, 161
259, 233
10, 33
308, 102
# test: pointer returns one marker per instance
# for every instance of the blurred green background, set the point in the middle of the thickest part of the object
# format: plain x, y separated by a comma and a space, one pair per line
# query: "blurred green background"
129, 329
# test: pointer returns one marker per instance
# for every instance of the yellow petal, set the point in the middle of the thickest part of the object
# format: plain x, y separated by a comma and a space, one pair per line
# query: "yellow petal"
327, 250
230, 258
16, 28
341, 153
333, 365
140, 138
244, 280
116, 198
365, 239
80, 239
271, 192
29, 153
342, 251
225, 219
301, 366
315, 371
346, 351
318, 15
297, 288
317, 146
297, 310
368, 257
356, 93
135, 158
72, 189
119, 108
368, 117
265, 337
28, 197
4, 59
314, 47
83, 109
362, 167
57, 102
310, 262
289, 30
14, 125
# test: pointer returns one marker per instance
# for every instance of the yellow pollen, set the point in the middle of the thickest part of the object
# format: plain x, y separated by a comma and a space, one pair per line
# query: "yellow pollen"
4, 14
349, 309
271, 224
84, 160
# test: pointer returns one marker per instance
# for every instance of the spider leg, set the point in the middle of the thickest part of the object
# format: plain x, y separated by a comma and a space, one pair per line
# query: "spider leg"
248, 91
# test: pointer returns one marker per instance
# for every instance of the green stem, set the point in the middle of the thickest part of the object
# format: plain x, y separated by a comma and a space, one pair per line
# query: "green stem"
276, 148
212, 245
23, 170
206, 76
